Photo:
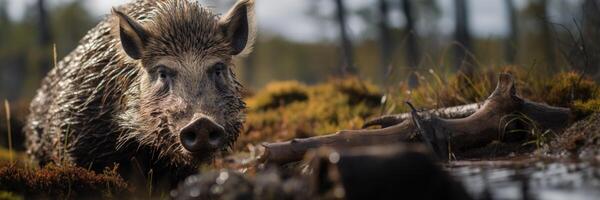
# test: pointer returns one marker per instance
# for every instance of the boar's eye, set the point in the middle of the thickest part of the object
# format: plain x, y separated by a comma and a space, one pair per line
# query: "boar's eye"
162, 72
218, 69
163, 75
217, 74
163, 78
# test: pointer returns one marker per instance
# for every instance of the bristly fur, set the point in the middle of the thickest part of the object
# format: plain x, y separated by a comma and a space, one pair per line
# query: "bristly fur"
90, 110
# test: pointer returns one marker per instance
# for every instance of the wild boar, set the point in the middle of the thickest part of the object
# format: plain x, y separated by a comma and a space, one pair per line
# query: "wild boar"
152, 84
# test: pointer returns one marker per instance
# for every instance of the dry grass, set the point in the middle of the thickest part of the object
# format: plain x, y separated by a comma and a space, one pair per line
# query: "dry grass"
9, 196
584, 108
60, 182
569, 87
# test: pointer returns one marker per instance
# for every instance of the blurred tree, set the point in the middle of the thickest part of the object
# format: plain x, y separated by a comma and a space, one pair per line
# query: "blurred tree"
463, 61
4, 32
45, 35
589, 47
413, 53
250, 66
3, 16
347, 55
385, 41
512, 41
17, 51
539, 9
70, 22
4, 24
427, 11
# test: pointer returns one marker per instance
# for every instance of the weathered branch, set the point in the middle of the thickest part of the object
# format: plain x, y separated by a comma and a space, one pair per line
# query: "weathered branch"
479, 128
454, 112
284, 152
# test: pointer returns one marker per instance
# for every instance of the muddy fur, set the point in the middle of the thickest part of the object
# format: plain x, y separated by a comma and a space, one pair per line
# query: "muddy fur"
100, 106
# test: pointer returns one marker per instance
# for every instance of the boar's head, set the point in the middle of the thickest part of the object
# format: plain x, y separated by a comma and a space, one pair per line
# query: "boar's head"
189, 104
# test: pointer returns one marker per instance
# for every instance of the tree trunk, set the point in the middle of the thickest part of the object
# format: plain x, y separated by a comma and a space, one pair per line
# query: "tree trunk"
589, 56
3, 13
413, 53
546, 36
385, 41
512, 41
463, 61
45, 36
347, 63
250, 67
4, 23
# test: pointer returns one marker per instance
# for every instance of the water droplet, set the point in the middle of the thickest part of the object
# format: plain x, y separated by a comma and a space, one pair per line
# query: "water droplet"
173, 193
334, 157
223, 176
339, 192
216, 189
195, 192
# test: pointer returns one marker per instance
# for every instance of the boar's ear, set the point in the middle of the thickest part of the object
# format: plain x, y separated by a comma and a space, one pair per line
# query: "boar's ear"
133, 36
239, 27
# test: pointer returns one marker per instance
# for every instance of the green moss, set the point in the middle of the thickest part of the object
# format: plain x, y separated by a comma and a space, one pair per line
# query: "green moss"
278, 94
358, 91
323, 109
5, 155
9, 196
569, 87
585, 108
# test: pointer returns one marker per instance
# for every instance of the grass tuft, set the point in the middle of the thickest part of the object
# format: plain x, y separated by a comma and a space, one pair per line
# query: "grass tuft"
8, 130
585, 108
569, 87
60, 182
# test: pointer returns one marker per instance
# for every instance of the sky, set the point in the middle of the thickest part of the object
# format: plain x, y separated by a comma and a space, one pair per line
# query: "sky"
291, 19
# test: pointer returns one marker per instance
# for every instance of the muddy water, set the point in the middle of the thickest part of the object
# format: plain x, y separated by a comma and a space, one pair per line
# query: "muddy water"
529, 179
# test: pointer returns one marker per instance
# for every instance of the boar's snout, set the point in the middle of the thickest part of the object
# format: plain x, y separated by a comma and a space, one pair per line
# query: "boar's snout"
202, 134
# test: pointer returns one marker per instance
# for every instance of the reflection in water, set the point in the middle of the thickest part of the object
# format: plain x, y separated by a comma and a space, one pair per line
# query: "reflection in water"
528, 179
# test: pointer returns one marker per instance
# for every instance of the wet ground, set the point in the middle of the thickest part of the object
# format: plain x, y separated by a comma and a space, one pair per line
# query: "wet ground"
529, 179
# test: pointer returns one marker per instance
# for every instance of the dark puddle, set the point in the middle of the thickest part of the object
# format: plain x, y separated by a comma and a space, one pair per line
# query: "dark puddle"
528, 179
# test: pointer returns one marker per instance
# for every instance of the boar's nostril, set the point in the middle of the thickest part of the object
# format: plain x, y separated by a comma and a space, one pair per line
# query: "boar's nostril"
190, 140
188, 137
214, 136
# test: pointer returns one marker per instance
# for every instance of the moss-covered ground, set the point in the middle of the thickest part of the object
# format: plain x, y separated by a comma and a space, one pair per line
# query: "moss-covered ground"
289, 109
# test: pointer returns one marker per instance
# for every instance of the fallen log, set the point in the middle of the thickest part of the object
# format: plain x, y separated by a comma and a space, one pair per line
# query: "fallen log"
453, 112
479, 128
